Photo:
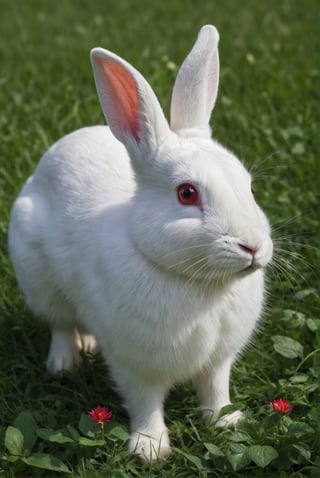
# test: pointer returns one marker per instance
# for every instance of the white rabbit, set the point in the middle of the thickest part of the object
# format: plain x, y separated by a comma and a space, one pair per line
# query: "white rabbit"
150, 238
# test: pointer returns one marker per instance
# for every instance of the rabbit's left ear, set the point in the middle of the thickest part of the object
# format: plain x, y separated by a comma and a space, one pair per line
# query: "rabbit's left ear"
128, 102
196, 86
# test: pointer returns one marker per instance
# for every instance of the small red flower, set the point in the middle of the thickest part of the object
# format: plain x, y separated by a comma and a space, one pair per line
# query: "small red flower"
101, 415
281, 405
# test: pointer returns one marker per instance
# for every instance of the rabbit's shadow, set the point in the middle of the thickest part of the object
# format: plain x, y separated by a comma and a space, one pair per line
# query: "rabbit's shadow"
26, 384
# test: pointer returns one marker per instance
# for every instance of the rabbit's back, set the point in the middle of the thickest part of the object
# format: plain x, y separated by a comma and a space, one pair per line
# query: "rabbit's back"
88, 168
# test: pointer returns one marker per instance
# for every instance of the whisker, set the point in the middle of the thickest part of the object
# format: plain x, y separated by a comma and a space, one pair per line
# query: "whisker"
284, 223
282, 265
192, 279
294, 244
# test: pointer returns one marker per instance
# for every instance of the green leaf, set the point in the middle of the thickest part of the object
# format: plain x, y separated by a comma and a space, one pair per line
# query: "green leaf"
304, 450
239, 436
313, 324
287, 347
45, 461
195, 460
262, 455
294, 317
299, 429
250, 426
45, 433
58, 437
213, 449
238, 456
87, 426
54, 436
12, 458
227, 409
298, 148
90, 442
27, 425
299, 378
73, 432
302, 294
119, 432
13, 440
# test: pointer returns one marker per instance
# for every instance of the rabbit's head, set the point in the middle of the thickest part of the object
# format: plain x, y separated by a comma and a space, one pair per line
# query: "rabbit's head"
193, 212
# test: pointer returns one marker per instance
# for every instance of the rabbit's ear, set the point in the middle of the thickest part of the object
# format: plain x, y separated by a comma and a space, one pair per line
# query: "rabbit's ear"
196, 86
128, 102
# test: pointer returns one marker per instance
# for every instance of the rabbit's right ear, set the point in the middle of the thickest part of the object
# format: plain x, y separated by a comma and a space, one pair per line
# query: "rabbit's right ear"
129, 104
196, 86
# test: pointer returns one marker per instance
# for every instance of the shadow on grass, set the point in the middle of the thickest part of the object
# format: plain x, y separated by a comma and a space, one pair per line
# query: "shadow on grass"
54, 399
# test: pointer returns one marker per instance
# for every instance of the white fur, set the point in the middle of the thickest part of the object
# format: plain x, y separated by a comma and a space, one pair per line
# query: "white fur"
98, 238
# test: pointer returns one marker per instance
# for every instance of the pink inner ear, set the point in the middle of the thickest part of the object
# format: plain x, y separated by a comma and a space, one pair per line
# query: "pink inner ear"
124, 101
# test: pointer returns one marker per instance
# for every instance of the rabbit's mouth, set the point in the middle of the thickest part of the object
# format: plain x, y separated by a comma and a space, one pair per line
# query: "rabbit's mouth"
251, 268
257, 263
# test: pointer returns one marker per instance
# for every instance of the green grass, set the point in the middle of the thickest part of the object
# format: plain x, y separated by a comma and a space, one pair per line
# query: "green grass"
268, 113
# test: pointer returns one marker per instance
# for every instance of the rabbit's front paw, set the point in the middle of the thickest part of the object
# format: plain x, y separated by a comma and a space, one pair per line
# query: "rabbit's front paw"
149, 448
230, 419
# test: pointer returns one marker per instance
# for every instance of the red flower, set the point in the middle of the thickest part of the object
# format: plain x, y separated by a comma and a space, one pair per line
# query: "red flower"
281, 405
101, 415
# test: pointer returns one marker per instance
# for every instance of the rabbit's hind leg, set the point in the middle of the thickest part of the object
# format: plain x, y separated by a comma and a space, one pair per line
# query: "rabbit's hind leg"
65, 346
50, 306
64, 350
29, 250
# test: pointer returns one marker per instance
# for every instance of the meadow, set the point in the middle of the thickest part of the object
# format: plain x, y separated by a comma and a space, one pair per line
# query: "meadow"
268, 114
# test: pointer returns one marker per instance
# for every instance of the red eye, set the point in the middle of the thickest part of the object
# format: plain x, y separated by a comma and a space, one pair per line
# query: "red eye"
188, 195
